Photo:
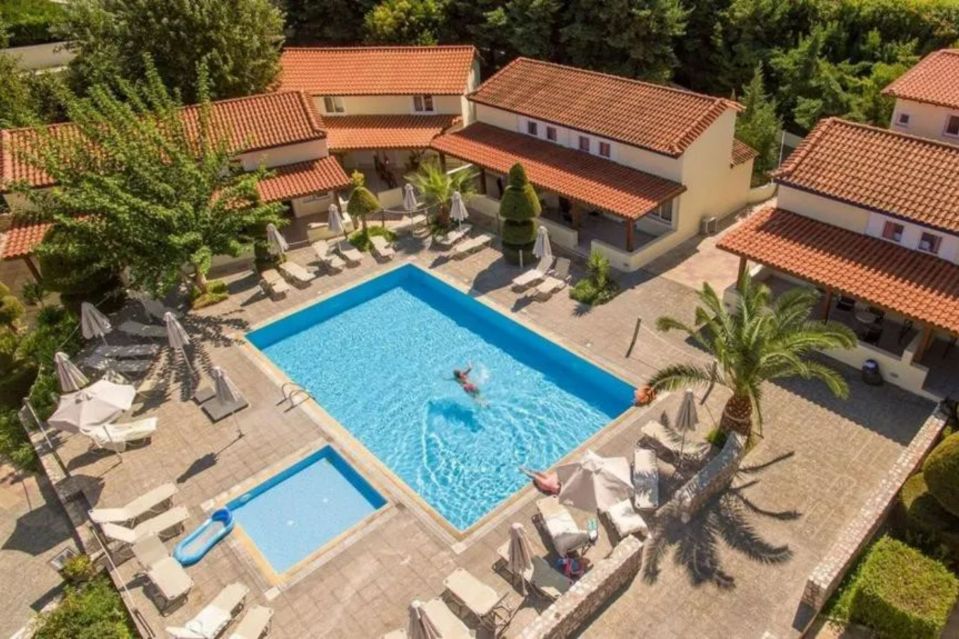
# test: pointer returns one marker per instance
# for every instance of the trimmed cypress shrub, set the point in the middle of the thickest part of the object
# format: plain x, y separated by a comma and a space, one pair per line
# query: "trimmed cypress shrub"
519, 209
927, 524
941, 470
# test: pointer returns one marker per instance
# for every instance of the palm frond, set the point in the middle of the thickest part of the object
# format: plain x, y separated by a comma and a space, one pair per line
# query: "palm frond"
679, 376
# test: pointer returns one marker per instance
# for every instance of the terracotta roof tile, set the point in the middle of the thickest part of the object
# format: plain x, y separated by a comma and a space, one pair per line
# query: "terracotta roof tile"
22, 237
742, 152
921, 287
303, 178
572, 174
934, 80
441, 70
253, 123
880, 170
354, 132
655, 117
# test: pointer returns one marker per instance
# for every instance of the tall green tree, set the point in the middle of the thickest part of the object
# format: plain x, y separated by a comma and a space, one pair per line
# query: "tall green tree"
436, 188
144, 188
761, 339
528, 27
327, 21
759, 125
405, 22
518, 208
239, 41
362, 202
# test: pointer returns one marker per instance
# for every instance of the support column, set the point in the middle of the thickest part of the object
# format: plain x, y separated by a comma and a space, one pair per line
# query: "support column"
482, 181
336, 201
826, 311
443, 162
28, 260
924, 343
630, 235
742, 270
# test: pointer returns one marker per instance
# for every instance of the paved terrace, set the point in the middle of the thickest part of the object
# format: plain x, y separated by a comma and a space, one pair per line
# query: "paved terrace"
736, 570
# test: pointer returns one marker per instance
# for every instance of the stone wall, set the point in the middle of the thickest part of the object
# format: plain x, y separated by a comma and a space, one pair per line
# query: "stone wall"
825, 577
588, 595
712, 478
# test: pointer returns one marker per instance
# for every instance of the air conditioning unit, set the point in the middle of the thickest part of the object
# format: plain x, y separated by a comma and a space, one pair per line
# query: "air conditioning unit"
708, 226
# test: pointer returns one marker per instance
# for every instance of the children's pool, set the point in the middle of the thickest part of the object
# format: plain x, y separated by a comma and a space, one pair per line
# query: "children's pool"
379, 358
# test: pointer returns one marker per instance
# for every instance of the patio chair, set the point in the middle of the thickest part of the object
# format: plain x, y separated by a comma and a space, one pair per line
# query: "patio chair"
215, 617
273, 284
535, 275
296, 274
116, 437
165, 525
462, 249
97, 362
626, 520
381, 247
152, 502
169, 579
548, 582
132, 351
645, 479
453, 236
559, 525
556, 281
449, 625
254, 625
138, 329
349, 253
333, 262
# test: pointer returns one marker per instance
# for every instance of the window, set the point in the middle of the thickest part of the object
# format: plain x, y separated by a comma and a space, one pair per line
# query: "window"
929, 242
903, 119
952, 125
333, 104
532, 128
551, 133
423, 103
584, 143
892, 231
664, 212
604, 149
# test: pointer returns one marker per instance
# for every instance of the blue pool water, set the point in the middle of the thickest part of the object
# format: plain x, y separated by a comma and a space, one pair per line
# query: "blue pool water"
380, 357
298, 510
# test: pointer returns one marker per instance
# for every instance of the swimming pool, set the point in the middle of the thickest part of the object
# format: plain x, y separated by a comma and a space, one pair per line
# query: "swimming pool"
379, 358
298, 510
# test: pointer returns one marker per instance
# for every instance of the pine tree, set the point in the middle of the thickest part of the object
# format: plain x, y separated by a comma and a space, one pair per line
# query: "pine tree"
758, 125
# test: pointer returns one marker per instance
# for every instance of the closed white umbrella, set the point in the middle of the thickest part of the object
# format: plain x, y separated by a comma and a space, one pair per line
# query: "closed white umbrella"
97, 404
93, 323
420, 626
275, 240
595, 483
336, 221
177, 337
520, 554
458, 212
226, 392
542, 248
69, 376
409, 199
686, 420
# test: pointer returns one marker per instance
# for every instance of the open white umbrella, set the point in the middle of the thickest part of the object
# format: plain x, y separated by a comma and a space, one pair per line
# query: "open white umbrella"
275, 240
595, 483
409, 199
686, 420
336, 221
97, 404
93, 323
542, 246
226, 392
520, 554
177, 337
458, 212
69, 376
420, 626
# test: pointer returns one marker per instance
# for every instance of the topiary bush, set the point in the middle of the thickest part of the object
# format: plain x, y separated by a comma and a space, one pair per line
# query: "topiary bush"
941, 470
362, 202
902, 593
925, 522
519, 208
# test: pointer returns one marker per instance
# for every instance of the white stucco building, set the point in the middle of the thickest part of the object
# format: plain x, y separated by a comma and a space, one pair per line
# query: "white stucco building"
927, 98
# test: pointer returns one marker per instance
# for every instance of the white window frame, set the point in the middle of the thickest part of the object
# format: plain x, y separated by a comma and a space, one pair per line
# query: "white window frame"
936, 245
904, 123
896, 239
335, 101
599, 149
421, 101
532, 128
579, 144
949, 119
555, 138
657, 215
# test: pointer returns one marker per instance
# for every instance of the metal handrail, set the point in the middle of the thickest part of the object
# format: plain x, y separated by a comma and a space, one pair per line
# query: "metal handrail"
296, 389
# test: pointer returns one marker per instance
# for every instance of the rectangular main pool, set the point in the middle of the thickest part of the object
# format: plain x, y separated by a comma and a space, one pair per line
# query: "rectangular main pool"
379, 358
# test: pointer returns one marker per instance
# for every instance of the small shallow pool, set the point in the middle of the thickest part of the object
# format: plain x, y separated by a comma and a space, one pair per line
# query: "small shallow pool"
379, 358
297, 511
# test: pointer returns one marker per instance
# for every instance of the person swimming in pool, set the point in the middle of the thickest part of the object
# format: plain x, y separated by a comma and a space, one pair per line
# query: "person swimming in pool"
463, 378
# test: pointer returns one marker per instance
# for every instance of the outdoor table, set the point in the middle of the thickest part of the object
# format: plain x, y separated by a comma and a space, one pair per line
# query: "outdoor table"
475, 596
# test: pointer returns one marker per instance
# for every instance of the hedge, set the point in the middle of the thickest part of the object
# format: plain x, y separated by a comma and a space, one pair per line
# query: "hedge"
941, 470
30, 21
902, 593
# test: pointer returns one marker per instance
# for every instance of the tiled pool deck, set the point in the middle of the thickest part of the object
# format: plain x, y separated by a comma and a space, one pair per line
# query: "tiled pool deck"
737, 570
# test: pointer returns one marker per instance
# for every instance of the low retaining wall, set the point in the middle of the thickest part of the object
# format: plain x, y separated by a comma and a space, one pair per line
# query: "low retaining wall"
712, 478
825, 577
588, 595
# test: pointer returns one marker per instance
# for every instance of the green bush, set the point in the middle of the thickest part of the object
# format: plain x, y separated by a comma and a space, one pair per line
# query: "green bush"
11, 309
361, 239
597, 287
14, 443
519, 207
79, 570
941, 470
717, 437
30, 21
902, 593
925, 522
216, 292
91, 610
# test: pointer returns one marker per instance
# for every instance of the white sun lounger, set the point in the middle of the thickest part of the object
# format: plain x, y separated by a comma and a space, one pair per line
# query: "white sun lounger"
555, 282
215, 617
115, 436
462, 249
168, 577
626, 520
381, 247
132, 351
533, 276
254, 625
273, 284
98, 362
138, 329
645, 479
562, 529
409, 223
155, 308
296, 273
349, 253
543, 578
453, 236
333, 262
170, 522
154, 501
449, 625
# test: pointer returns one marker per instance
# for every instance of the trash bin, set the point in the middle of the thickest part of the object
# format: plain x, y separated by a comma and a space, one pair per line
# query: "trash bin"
870, 373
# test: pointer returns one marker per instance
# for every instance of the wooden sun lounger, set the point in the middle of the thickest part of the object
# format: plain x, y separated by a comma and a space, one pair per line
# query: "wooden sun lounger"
170, 580
333, 262
462, 249
555, 282
349, 253
137, 329
626, 520
408, 224
134, 366
254, 625
563, 531
296, 274
151, 502
534, 276
116, 437
164, 525
449, 625
132, 351
543, 578
215, 616
453, 236
381, 247
273, 284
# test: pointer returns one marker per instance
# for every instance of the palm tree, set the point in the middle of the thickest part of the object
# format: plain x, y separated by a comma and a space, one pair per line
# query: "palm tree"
761, 339
436, 187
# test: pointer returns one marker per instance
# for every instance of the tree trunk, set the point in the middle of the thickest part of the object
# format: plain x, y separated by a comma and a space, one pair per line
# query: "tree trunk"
443, 216
199, 280
737, 415
363, 224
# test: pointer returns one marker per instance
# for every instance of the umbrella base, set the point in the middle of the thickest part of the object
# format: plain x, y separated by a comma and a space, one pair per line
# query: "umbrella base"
217, 410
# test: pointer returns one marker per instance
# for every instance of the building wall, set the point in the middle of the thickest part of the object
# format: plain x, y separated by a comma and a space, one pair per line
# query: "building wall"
925, 120
823, 209
283, 155
390, 105
911, 235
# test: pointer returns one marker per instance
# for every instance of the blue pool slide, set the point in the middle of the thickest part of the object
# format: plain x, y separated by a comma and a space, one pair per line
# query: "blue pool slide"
198, 543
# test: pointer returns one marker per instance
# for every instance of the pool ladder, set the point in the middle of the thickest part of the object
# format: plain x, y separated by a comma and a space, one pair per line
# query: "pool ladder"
295, 391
